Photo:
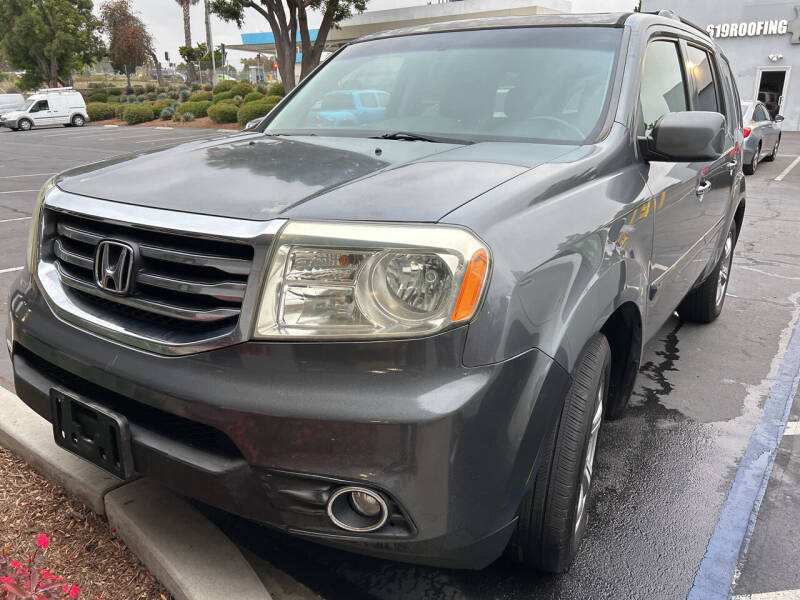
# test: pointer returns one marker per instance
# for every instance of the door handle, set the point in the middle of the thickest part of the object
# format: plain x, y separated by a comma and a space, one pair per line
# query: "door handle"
702, 189
731, 166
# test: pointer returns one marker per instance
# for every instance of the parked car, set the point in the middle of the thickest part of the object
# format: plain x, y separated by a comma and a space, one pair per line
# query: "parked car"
399, 338
348, 108
762, 135
9, 102
54, 106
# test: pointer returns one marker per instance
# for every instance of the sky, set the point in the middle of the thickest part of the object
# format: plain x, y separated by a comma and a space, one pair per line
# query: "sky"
165, 21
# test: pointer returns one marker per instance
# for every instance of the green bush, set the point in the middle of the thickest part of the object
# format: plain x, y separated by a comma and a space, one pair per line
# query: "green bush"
138, 89
167, 113
99, 111
162, 95
198, 109
261, 89
172, 94
150, 87
138, 114
129, 90
175, 105
141, 97
123, 99
259, 108
182, 87
252, 96
241, 89
114, 99
119, 110
115, 91
195, 86
228, 101
160, 105
186, 117
200, 97
224, 86
222, 96
184, 95
276, 89
151, 95
208, 87
98, 96
223, 112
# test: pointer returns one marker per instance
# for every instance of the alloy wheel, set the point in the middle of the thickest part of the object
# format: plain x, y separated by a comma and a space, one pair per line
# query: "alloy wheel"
724, 269
588, 463
24, 125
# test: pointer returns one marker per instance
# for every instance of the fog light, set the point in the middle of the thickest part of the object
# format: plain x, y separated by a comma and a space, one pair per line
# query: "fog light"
365, 504
357, 509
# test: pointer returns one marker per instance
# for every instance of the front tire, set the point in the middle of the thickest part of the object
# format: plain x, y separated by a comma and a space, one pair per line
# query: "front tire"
704, 303
774, 152
553, 513
752, 166
24, 125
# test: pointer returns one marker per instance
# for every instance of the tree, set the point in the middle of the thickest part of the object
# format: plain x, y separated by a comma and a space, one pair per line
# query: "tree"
129, 42
286, 19
49, 39
185, 5
210, 42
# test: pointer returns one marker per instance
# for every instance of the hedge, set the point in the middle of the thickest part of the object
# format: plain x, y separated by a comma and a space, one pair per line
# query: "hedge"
99, 96
224, 86
200, 97
167, 113
252, 96
223, 113
99, 111
184, 95
115, 91
276, 89
198, 109
160, 105
138, 114
222, 96
119, 109
259, 108
228, 101
241, 89
114, 99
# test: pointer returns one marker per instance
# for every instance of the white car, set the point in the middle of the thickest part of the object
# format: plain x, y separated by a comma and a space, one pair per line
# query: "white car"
54, 106
10, 102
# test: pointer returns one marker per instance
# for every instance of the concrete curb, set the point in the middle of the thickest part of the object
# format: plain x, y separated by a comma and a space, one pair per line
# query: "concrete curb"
184, 550
29, 436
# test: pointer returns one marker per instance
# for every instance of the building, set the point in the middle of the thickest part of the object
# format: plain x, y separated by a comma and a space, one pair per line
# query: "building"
380, 20
761, 39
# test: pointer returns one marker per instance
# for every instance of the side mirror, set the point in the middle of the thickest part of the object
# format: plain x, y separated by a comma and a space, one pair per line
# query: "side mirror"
778, 118
686, 136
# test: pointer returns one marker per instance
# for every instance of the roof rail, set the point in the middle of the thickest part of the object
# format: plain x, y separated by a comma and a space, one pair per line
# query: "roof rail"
671, 14
58, 89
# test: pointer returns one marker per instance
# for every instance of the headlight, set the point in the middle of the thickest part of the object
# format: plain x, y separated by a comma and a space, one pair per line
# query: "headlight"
360, 280
33, 233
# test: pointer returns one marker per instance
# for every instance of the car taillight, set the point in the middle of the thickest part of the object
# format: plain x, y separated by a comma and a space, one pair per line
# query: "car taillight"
746, 131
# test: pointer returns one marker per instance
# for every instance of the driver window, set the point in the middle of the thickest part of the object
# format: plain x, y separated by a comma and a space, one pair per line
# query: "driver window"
663, 87
39, 106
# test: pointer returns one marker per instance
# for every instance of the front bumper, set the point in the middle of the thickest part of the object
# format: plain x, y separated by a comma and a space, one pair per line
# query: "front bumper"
268, 430
11, 124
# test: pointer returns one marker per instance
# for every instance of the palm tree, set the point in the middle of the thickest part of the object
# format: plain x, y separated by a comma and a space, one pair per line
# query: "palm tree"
191, 75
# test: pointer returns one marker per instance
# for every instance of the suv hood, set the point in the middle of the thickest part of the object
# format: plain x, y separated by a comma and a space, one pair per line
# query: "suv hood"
11, 114
260, 177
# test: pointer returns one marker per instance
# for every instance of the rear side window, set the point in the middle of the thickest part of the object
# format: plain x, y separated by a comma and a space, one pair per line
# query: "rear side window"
663, 89
759, 114
699, 64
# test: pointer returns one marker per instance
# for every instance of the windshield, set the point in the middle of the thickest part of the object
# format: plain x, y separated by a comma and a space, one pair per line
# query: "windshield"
26, 105
535, 84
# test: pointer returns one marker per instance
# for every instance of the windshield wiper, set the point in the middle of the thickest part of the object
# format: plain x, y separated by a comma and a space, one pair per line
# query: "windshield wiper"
416, 137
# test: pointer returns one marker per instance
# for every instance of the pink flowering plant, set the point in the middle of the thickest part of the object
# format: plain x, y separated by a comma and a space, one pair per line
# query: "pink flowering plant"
26, 580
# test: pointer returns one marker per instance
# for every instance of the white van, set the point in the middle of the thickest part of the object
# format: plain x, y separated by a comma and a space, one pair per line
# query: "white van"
51, 106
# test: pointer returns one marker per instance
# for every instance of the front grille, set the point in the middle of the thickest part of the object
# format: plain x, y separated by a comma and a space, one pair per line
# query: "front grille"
180, 283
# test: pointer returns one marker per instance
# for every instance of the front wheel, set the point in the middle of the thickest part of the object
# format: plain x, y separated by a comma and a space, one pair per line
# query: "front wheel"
24, 125
553, 513
774, 152
752, 166
704, 303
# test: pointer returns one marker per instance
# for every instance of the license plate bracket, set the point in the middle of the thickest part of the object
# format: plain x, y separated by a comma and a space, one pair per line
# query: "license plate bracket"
93, 432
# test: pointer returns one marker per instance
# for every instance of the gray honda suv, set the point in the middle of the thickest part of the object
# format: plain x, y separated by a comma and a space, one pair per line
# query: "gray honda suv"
396, 333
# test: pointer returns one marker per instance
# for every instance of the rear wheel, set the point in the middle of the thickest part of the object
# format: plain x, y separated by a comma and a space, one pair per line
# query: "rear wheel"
553, 514
750, 169
78, 121
704, 303
24, 125
774, 152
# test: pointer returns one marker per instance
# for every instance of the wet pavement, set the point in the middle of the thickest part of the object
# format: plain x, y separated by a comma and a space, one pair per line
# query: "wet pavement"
662, 472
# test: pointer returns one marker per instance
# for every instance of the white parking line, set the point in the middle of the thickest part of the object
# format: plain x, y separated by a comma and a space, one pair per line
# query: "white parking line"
31, 175
18, 191
12, 220
786, 171
11, 270
783, 595
792, 428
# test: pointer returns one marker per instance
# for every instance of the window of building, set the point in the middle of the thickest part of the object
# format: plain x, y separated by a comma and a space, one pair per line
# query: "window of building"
663, 88
699, 64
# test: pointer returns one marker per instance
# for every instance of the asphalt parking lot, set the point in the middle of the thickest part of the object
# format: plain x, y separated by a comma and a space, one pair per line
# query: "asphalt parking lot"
697, 488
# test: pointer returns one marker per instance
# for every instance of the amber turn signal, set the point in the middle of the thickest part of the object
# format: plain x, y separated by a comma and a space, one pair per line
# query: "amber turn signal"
472, 286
